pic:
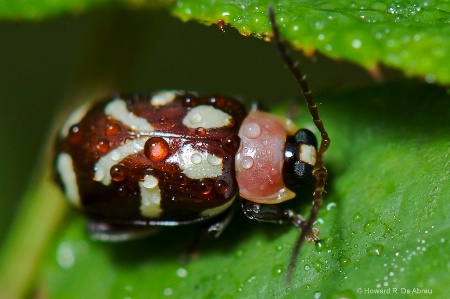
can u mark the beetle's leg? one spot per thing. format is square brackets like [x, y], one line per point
[274, 214]
[114, 232]
[214, 228]
[208, 230]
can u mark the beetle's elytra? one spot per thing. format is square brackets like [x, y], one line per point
[135, 163]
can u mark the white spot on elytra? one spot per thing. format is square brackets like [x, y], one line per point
[217, 210]
[197, 164]
[163, 98]
[113, 157]
[64, 164]
[74, 118]
[117, 109]
[206, 117]
[150, 197]
[308, 154]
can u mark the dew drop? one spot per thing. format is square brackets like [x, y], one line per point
[344, 261]
[118, 172]
[150, 182]
[206, 186]
[356, 43]
[218, 102]
[277, 270]
[221, 186]
[189, 101]
[252, 130]
[65, 255]
[112, 130]
[231, 143]
[196, 158]
[182, 272]
[95, 154]
[168, 291]
[368, 227]
[357, 217]
[374, 250]
[75, 134]
[320, 246]
[103, 145]
[156, 149]
[213, 160]
[318, 265]
[200, 131]
[246, 162]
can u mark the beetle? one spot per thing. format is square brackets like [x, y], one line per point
[134, 164]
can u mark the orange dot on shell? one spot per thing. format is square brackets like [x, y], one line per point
[156, 149]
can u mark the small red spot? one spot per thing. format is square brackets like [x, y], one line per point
[118, 172]
[156, 149]
[75, 134]
[103, 145]
[112, 130]
[221, 25]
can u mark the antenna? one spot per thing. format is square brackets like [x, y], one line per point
[320, 172]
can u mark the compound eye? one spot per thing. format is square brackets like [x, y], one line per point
[305, 136]
[300, 158]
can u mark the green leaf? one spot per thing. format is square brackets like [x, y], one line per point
[407, 35]
[384, 225]
[413, 36]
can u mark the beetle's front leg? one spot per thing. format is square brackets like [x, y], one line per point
[274, 214]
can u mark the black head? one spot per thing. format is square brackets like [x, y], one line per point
[299, 158]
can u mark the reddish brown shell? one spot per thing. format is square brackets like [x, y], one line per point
[151, 148]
